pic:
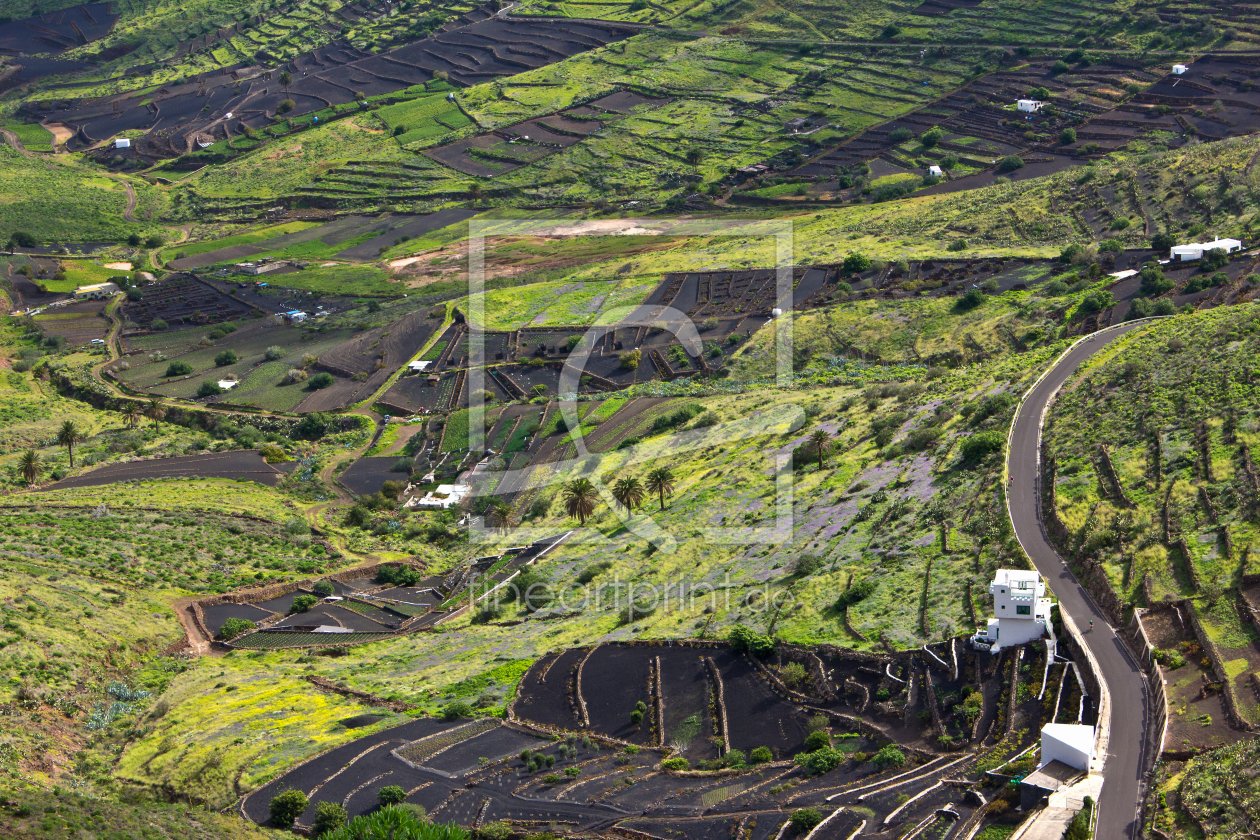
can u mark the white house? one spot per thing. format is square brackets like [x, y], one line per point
[1070, 743]
[1030, 106]
[1196, 250]
[1021, 610]
[443, 497]
[417, 366]
[227, 384]
[1179, 69]
[935, 171]
[96, 291]
[122, 143]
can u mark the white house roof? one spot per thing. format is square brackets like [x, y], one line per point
[1009, 577]
[122, 143]
[331, 628]
[227, 384]
[418, 365]
[1078, 736]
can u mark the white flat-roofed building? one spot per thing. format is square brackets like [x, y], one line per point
[1021, 611]
[1196, 250]
[1029, 106]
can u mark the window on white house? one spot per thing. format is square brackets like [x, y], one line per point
[1021, 610]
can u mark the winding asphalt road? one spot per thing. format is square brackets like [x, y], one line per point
[1130, 710]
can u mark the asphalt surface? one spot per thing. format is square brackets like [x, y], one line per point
[1130, 707]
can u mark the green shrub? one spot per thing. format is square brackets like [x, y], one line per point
[675, 763]
[815, 741]
[234, 627]
[320, 380]
[976, 446]
[178, 368]
[273, 352]
[888, 757]
[286, 807]
[1067, 136]
[329, 816]
[761, 755]
[820, 761]
[324, 588]
[957, 245]
[303, 603]
[209, 388]
[855, 263]
[856, 593]
[391, 795]
[1010, 163]
[805, 820]
[456, 710]
[745, 639]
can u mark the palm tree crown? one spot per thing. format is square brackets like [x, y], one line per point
[154, 410]
[822, 442]
[579, 498]
[68, 435]
[661, 482]
[500, 516]
[31, 466]
[629, 493]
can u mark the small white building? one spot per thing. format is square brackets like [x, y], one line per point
[122, 143]
[1196, 250]
[935, 171]
[1070, 743]
[1020, 609]
[1178, 69]
[1030, 106]
[257, 267]
[446, 495]
[227, 384]
[417, 366]
[96, 291]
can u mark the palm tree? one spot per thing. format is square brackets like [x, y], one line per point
[500, 516]
[132, 413]
[68, 435]
[694, 156]
[31, 466]
[629, 493]
[155, 411]
[285, 78]
[579, 498]
[661, 482]
[822, 443]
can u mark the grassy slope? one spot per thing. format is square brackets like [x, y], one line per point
[1146, 387]
[60, 199]
[728, 480]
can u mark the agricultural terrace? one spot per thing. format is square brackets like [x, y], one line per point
[847, 754]
[1174, 468]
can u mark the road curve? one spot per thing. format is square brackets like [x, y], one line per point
[1130, 706]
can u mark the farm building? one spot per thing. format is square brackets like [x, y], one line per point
[257, 267]
[122, 143]
[96, 291]
[418, 365]
[227, 384]
[1021, 610]
[446, 495]
[1030, 106]
[936, 172]
[1069, 743]
[1196, 250]
[293, 316]
[1178, 69]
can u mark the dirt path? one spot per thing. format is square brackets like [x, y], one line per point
[13, 141]
[197, 641]
[131, 200]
